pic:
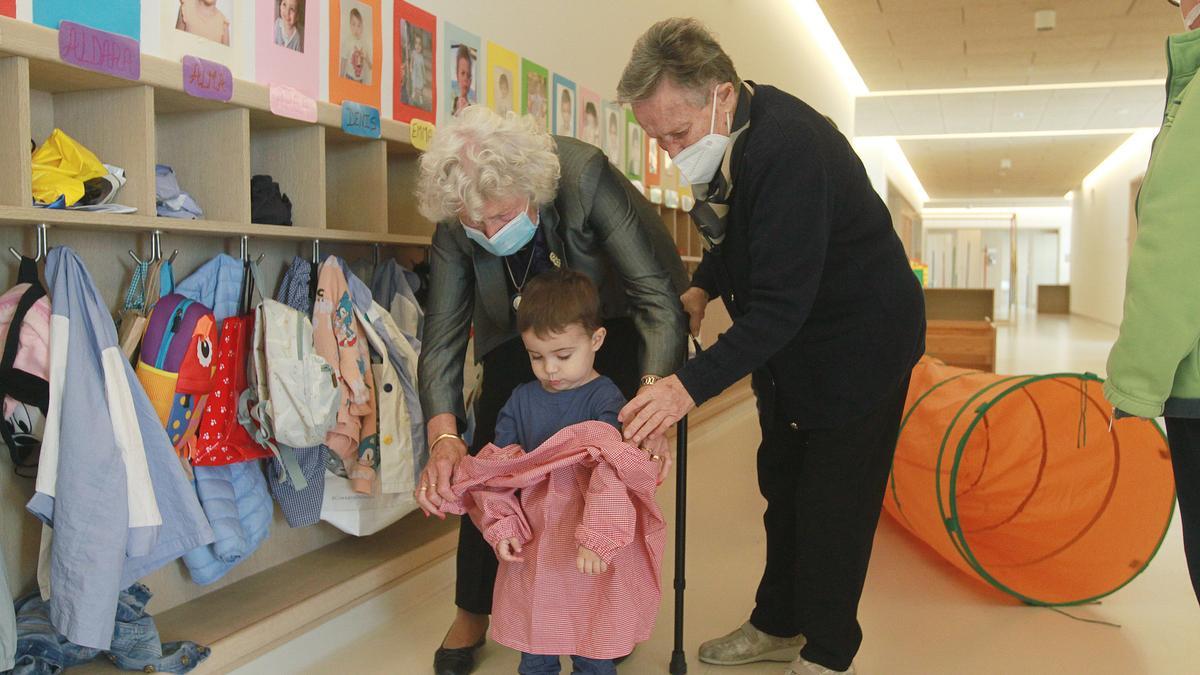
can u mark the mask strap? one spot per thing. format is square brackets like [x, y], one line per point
[712, 125]
[1192, 16]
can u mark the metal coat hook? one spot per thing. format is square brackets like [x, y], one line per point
[40, 251]
[316, 258]
[155, 250]
[245, 252]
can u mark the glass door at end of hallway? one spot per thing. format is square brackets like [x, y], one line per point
[982, 258]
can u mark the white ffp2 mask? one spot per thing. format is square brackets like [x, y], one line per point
[698, 162]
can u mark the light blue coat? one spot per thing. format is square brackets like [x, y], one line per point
[109, 482]
[235, 497]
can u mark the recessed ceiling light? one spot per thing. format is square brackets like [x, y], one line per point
[1006, 163]
[1045, 19]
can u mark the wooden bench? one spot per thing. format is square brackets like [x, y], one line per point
[965, 344]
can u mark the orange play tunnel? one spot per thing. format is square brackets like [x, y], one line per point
[1019, 480]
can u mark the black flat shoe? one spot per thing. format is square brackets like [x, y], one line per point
[457, 661]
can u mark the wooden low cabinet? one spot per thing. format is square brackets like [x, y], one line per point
[965, 344]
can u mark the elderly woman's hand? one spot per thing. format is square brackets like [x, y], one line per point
[433, 487]
[660, 451]
[655, 409]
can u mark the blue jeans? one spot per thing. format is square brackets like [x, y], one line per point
[537, 664]
[135, 644]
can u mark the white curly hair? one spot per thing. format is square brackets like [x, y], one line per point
[480, 156]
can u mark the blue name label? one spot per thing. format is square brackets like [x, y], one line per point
[360, 120]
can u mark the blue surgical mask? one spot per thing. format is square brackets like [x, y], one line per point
[509, 239]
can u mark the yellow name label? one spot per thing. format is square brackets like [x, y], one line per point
[420, 134]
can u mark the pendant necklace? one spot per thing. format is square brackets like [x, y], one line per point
[516, 302]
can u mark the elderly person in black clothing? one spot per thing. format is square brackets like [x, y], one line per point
[827, 318]
[512, 201]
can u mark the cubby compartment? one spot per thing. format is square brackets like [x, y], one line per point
[117, 124]
[209, 150]
[695, 242]
[15, 170]
[403, 217]
[293, 155]
[682, 235]
[356, 183]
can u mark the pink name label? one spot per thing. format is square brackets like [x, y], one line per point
[205, 79]
[99, 50]
[288, 102]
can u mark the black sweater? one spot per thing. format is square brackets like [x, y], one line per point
[827, 313]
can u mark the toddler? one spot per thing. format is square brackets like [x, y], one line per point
[289, 32]
[201, 17]
[356, 52]
[620, 534]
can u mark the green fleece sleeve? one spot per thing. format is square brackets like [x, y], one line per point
[1161, 323]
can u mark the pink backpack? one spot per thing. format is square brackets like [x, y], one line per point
[24, 367]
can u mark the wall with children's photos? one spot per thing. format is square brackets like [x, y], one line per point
[428, 59]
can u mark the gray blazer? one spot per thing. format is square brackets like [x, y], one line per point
[598, 224]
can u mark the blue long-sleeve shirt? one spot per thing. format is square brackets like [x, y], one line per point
[532, 415]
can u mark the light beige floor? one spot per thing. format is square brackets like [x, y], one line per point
[919, 614]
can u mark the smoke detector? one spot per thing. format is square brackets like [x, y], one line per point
[1045, 19]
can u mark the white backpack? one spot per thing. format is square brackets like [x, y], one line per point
[295, 391]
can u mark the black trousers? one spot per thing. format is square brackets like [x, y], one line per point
[824, 490]
[504, 368]
[1183, 435]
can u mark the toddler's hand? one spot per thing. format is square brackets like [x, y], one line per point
[506, 548]
[590, 563]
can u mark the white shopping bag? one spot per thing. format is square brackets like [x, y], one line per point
[360, 514]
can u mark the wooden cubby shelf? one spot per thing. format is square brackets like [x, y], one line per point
[342, 188]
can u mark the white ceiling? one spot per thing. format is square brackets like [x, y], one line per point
[1026, 111]
[922, 44]
[1040, 167]
[1039, 98]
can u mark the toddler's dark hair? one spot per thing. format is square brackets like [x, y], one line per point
[556, 299]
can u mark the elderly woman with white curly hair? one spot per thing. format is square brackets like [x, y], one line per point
[512, 201]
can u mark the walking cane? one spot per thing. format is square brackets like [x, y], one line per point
[678, 658]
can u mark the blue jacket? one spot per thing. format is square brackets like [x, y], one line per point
[109, 482]
[235, 496]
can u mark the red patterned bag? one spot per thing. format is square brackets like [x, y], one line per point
[221, 439]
